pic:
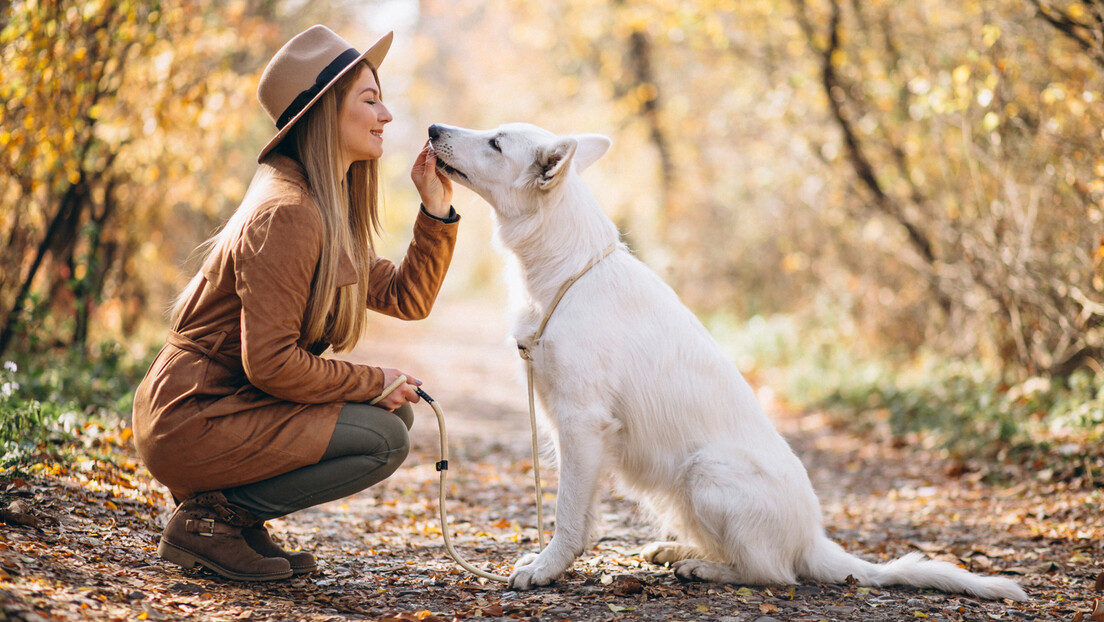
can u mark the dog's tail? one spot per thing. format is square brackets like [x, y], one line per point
[828, 562]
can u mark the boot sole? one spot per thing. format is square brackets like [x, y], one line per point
[186, 559]
[304, 570]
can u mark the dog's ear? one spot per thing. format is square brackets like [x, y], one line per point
[553, 162]
[591, 147]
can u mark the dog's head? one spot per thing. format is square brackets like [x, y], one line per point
[513, 165]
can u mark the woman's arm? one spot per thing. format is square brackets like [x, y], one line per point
[408, 291]
[274, 264]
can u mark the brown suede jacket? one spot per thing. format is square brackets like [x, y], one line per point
[236, 396]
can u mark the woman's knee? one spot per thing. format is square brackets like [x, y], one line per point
[368, 430]
[405, 413]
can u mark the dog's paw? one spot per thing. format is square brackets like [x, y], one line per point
[660, 553]
[688, 569]
[701, 570]
[525, 560]
[529, 573]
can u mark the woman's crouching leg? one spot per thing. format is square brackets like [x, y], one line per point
[368, 446]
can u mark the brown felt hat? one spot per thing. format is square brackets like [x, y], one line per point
[304, 69]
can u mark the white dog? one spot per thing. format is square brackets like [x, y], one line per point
[632, 383]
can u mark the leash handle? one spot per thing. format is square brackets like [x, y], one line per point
[401, 380]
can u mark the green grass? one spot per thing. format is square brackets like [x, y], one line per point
[963, 406]
[48, 401]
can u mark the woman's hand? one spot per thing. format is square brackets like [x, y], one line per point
[434, 188]
[403, 394]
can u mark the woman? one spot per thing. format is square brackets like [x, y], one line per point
[239, 416]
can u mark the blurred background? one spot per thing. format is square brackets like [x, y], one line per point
[891, 210]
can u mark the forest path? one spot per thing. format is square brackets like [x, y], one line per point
[382, 557]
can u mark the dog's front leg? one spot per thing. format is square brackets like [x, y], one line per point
[582, 451]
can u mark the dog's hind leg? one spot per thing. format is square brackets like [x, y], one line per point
[744, 517]
[582, 452]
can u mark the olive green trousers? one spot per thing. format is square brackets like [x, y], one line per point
[367, 446]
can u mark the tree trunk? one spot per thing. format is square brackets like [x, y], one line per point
[640, 64]
[68, 210]
[835, 92]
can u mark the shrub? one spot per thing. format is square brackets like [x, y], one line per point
[960, 405]
[46, 400]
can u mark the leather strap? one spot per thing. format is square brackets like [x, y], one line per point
[178, 340]
[208, 527]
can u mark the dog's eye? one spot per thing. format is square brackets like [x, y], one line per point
[494, 144]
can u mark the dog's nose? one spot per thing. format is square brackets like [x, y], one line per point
[434, 131]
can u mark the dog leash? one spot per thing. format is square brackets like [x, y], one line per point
[442, 464]
[442, 468]
[525, 352]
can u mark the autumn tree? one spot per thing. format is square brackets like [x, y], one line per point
[928, 175]
[1082, 22]
[929, 172]
[982, 152]
[122, 132]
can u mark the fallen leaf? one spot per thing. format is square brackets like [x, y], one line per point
[626, 586]
[18, 518]
[1099, 585]
[768, 608]
[1097, 614]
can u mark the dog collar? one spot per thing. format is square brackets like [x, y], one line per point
[534, 340]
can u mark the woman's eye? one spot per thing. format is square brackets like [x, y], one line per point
[494, 145]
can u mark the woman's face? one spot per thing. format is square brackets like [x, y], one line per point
[361, 116]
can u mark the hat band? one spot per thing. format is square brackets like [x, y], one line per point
[323, 80]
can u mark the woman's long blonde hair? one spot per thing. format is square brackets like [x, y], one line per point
[348, 203]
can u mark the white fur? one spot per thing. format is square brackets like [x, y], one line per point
[632, 383]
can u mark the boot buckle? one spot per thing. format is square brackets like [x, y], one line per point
[210, 533]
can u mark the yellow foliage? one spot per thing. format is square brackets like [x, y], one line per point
[76, 78]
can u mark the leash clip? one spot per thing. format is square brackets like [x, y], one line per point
[442, 465]
[526, 352]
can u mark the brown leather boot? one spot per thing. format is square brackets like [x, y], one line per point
[206, 529]
[261, 541]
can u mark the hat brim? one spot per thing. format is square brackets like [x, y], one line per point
[374, 56]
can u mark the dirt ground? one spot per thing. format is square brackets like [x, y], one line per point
[79, 542]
